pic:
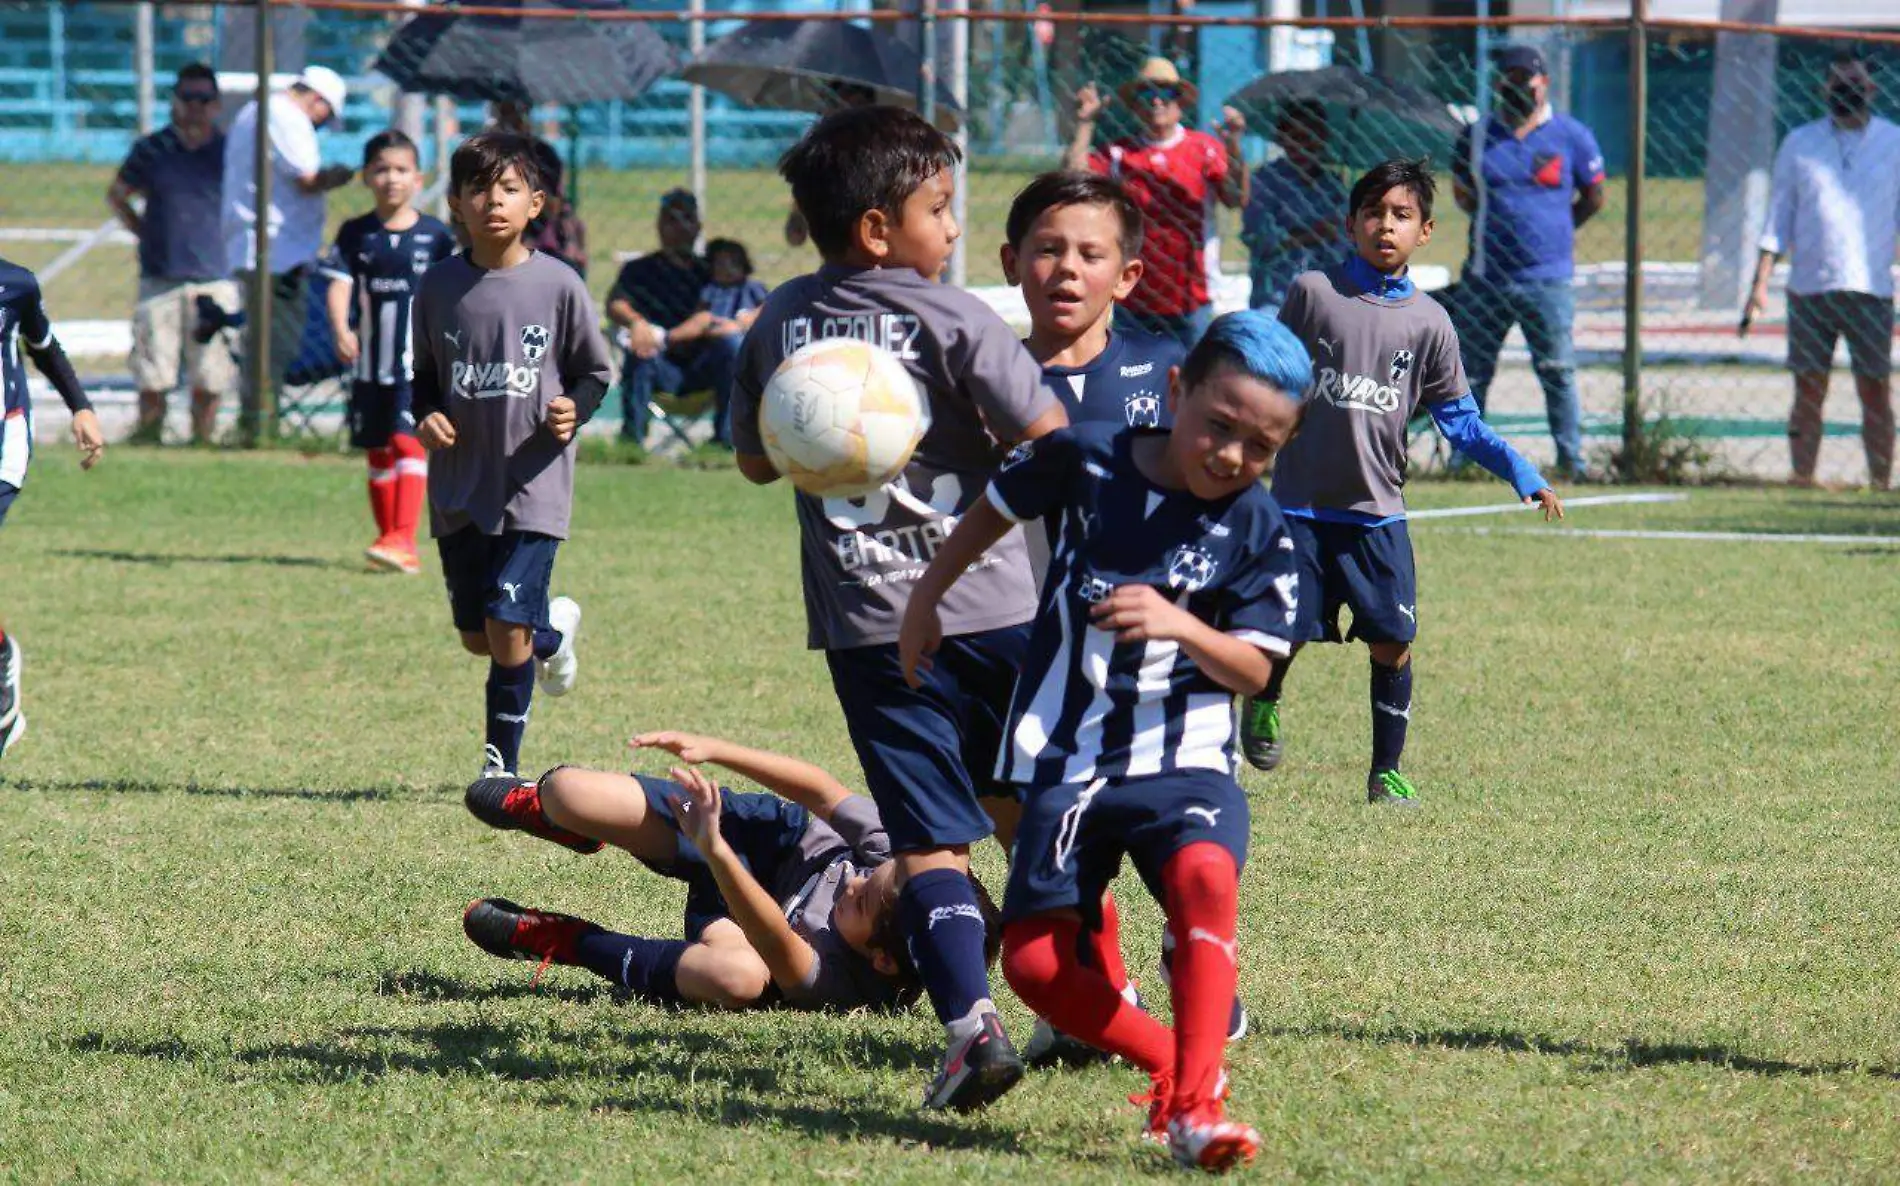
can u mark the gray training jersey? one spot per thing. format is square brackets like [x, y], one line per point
[853, 842]
[499, 345]
[859, 556]
[1376, 361]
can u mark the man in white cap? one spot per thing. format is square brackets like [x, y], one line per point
[1174, 174]
[295, 220]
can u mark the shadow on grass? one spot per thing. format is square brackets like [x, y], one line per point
[417, 984]
[725, 1079]
[134, 786]
[167, 559]
[1629, 1054]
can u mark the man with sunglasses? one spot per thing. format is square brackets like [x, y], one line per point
[1175, 175]
[178, 172]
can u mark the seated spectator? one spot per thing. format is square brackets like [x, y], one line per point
[653, 300]
[1294, 220]
[729, 303]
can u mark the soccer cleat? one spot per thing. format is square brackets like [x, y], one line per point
[514, 804]
[504, 929]
[388, 555]
[1050, 1047]
[1158, 1098]
[1204, 1139]
[976, 1070]
[1389, 788]
[1260, 733]
[558, 670]
[12, 719]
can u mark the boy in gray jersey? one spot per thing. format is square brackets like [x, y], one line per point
[790, 900]
[509, 363]
[1380, 349]
[875, 186]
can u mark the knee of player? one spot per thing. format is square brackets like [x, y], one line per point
[556, 785]
[1390, 654]
[1203, 874]
[737, 980]
[475, 642]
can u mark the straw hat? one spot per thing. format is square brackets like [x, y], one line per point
[1158, 72]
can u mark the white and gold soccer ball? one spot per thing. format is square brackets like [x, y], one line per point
[841, 417]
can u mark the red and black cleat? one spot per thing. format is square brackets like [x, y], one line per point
[504, 929]
[514, 804]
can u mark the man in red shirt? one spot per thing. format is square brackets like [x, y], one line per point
[1174, 174]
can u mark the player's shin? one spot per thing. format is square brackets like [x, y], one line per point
[382, 490]
[510, 693]
[943, 926]
[1043, 964]
[412, 486]
[1391, 689]
[1201, 886]
[648, 968]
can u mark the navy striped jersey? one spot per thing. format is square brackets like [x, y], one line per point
[1126, 384]
[1085, 705]
[386, 267]
[23, 322]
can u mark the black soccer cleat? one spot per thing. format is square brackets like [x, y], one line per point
[976, 1070]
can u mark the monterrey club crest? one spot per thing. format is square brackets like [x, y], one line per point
[1401, 366]
[1190, 569]
[534, 343]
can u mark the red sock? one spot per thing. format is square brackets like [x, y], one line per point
[1105, 945]
[412, 485]
[382, 489]
[1202, 899]
[1042, 962]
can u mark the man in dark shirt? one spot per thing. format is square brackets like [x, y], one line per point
[651, 300]
[178, 171]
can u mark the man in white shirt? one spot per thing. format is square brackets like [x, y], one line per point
[1835, 212]
[295, 220]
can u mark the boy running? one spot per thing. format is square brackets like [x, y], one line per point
[374, 267]
[791, 897]
[1172, 585]
[1074, 245]
[1380, 350]
[23, 320]
[875, 184]
[510, 365]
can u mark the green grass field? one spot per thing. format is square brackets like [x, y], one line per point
[1643, 930]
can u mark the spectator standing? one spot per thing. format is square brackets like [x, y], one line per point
[558, 230]
[295, 220]
[1294, 219]
[1539, 177]
[1835, 212]
[178, 171]
[1175, 175]
[653, 299]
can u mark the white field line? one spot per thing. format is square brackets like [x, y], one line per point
[1732, 537]
[1505, 508]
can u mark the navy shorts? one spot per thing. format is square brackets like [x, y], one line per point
[1072, 838]
[929, 753]
[763, 830]
[378, 412]
[8, 492]
[504, 577]
[1366, 569]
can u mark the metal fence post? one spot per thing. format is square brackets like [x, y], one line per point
[258, 420]
[1633, 239]
[960, 91]
[142, 66]
[696, 101]
[927, 60]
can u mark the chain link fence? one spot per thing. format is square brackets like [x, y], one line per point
[1698, 401]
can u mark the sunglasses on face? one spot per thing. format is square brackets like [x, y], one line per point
[195, 96]
[1157, 94]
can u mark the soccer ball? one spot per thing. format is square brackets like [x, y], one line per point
[841, 417]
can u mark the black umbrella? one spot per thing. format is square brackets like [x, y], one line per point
[1393, 114]
[795, 65]
[511, 59]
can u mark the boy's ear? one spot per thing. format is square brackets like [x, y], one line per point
[1425, 231]
[1174, 389]
[536, 200]
[882, 963]
[1131, 275]
[455, 206]
[1009, 265]
[873, 234]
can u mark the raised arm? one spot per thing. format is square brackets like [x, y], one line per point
[1088, 105]
[801, 782]
[787, 957]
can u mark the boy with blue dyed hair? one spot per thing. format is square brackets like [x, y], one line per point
[1172, 586]
[1380, 349]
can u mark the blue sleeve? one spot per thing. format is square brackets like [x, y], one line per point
[1586, 159]
[1034, 477]
[136, 171]
[755, 294]
[1464, 426]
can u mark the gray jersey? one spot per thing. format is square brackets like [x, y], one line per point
[853, 842]
[1376, 361]
[497, 347]
[860, 556]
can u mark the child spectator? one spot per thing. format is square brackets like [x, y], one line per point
[374, 269]
[729, 302]
[875, 184]
[1171, 586]
[511, 364]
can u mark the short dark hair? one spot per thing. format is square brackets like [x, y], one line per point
[1071, 187]
[387, 139]
[858, 160]
[889, 939]
[196, 72]
[716, 247]
[1415, 174]
[484, 157]
[1849, 57]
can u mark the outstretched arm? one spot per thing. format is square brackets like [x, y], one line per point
[787, 957]
[801, 782]
[1463, 425]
